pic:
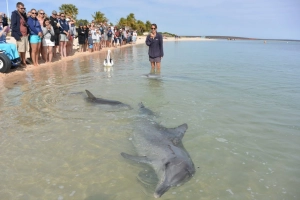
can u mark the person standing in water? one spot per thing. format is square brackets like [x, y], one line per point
[155, 42]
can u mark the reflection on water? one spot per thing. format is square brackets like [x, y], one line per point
[243, 135]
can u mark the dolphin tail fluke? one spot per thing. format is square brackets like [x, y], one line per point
[139, 159]
[90, 95]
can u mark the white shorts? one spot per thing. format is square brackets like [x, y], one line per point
[48, 43]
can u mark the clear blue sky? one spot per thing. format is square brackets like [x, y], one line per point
[274, 19]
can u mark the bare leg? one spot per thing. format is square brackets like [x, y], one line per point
[50, 52]
[152, 68]
[65, 48]
[157, 68]
[44, 53]
[33, 53]
[38, 53]
[61, 44]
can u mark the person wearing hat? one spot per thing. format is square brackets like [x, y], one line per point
[54, 23]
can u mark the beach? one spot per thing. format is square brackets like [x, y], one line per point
[76, 54]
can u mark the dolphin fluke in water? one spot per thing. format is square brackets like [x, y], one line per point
[94, 99]
[162, 149]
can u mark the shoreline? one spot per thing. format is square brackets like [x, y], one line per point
[76, 54]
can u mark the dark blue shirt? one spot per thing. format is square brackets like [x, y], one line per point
[155, 46]
[34, 26]
[64, 26]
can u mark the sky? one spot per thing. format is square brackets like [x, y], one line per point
[265, 19]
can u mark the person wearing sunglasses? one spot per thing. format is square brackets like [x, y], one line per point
[20, 31]
[64, 34]
[35, 37]
[155, 42]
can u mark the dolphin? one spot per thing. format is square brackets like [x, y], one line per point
[162, 149]
[92, 98]
[152, 76]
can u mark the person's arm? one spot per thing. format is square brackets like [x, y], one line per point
[161, 46]
[3, 31]
[149, 40]
[45, 30]
[52, 31]
[13, 22]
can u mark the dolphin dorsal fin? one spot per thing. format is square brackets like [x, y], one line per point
[179, 131]
[90, 95]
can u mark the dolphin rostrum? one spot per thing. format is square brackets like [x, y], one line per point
[162, 149]
[94, 99]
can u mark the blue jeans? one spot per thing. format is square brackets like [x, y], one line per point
[116, 39]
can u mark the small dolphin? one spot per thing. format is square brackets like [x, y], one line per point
[92, 98]
[152, 76]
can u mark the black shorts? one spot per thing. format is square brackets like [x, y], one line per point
[157, 59]
[56, 39]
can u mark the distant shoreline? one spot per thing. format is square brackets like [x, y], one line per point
[236, 38]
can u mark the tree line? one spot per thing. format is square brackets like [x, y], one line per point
[98, 17]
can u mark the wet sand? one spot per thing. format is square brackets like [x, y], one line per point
[12, 75]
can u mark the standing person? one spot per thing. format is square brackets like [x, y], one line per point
[118, 37]
[81, 37]
[20, 31]
[109, 36]
[86, 29]
[55, 25]
[155, 42]
[90, 42]
[94, 37]
[4, 20]
[64, 34]
[98, 39]
[35, 36]
[72, 31]
[134, 36]
[41, 17]
[48, 31]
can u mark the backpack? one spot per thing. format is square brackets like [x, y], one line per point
[109, 33]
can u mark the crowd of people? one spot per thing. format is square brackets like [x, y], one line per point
[47, 37]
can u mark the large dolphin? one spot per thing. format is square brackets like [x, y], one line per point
[162, 149]
[93, 99]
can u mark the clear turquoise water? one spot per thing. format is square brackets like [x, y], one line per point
[240, 99]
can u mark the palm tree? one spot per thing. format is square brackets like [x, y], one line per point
[148, 25]
[99, 17]
[69, 9]
[141, 27]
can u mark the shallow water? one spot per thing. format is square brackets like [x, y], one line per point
[240, 99]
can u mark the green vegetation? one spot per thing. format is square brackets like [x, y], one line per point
[69, 9]
[82, 21]
[129, 22]
[166, 34]
[99, 17]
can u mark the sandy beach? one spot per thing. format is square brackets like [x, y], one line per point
[11, 76]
